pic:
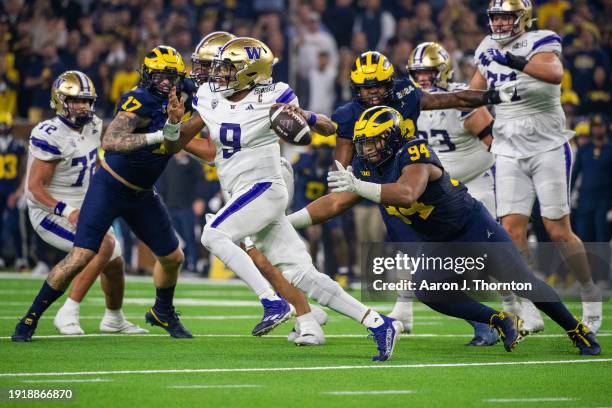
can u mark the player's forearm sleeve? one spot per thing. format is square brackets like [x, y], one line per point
[300, 219]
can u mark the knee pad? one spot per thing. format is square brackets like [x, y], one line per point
[318, 286]
[210, 236]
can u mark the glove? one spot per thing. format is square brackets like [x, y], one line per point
[343, 180]
[502, 94]
[508, 59]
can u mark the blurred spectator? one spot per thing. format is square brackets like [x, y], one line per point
[125, 78]
[41, 74]
[181, 187]
[598, 98]
[583, 60]
[322, 80]
[551, 9]
[377, 24]
[344, 92]
[9, 78]
[570, 104]
[339, 19]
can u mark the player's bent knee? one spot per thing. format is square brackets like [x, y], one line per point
[107, 247]
[317, 285]
[173, 260]
[211, 236]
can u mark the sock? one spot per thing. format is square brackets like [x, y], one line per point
[45, 298]
[71, 305]
[269, 295]
[305, 318]
[372, 320]
[344, 303]
[113, 314]
[163, 299]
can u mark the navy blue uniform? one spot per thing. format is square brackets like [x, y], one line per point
[405, 98]
[107, 198]
[310, 184]
[11, 154]
[445, 212]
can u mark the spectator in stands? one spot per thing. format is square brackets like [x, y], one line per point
[9, 78]
[339, 19]
[322, 80]
[377, 24]
[583, 60]
[40, 76]
[598, 98]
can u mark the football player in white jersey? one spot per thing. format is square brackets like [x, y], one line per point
[235, 109]
[462, 141]
[62, 158]
[533, 157]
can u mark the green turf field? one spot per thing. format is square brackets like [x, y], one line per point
[225, 366]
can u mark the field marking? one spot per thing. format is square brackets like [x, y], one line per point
[214, 386]
[376, 392]
[314, 368]
[331, 336]
[540, 399]
[90, 380]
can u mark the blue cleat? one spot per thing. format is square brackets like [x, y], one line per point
[385, 336]
[25, 329]
[585, 340]
[275, 313]
[484, 335]
[509, 328]
[169, 323]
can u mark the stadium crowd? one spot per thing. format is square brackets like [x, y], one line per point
[316, 42]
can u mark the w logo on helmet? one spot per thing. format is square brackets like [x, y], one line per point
[253, 52]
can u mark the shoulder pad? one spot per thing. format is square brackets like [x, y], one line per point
[47, 143]
[344, 119]
[138, 101]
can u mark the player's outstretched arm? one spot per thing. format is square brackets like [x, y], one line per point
[323, 209]
[201, 148]
[119, 137]
[463, 99]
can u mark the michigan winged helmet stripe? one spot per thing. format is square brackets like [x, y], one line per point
[375, 121]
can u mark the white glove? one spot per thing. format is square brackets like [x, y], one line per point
[343, 180]
[507, 90]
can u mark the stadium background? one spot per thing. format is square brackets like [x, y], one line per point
[316, 41]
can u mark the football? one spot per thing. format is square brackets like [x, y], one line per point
[289, 126]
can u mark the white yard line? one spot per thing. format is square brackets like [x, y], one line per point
[315, 368]
[538, 399]
[88, 380]
[376, 392]
[331, 336]
[214, 386]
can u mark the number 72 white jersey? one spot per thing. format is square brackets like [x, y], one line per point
[76, 153]
[247, 148]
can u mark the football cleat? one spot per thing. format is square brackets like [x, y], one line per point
[532, 320]
[169, 323]
[509, 327]
[275, 313]
[25, 329]
[402, 312]
[592, 315]
[120, 325]
[385, 336]
[310, 334]
[585, 340]
[66, 321]
[484, 335]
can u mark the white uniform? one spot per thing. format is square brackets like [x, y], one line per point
[464, 157]
[530, 136]
[53, 140]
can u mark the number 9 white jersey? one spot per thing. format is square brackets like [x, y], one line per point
[461, 153]
[247, 148]
[533, 121]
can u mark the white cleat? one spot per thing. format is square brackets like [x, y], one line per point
[402, 313]
[309, 333]
[532, 320]
[116, 325]
[66, 321]
[319, 315]
[592, 315]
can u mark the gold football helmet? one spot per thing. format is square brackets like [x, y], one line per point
[161, 64]
[205, 52]
[242, 63]
[73, 85]
[431, 56]
[372, 69]
[523, 18]
[379, 133]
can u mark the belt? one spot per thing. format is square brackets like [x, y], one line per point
[120, 179]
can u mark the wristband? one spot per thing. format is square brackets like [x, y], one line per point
[515, 61]
[300, 219]
[312, 119]
[155, 137]
[488, 130]
[62, 209]
[171, 131]
[369, 191]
